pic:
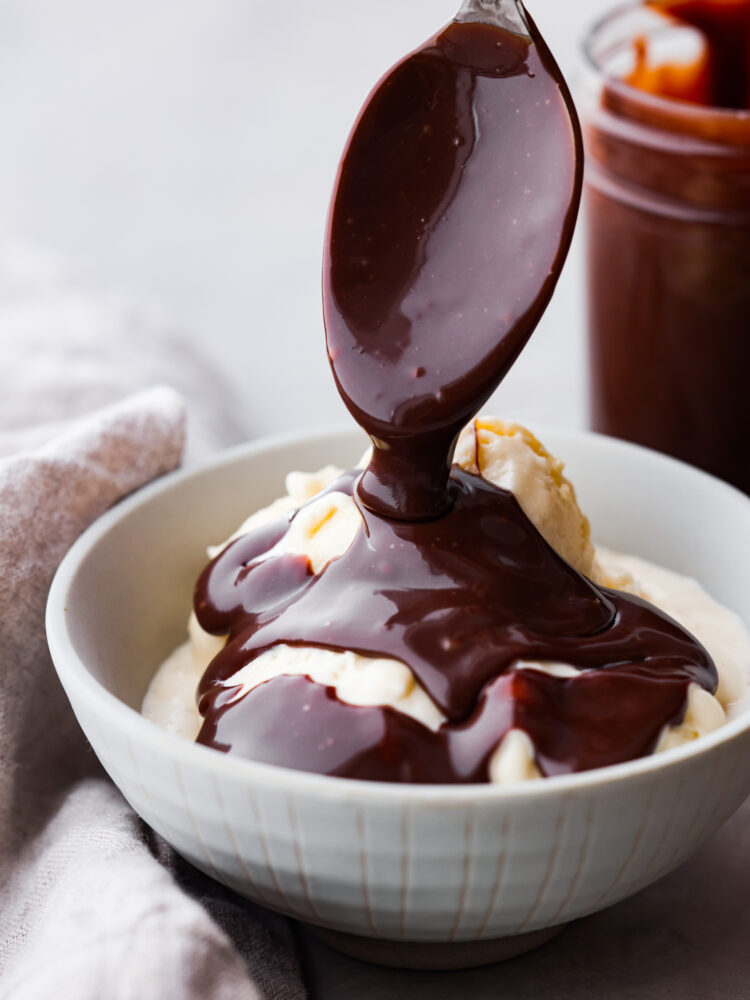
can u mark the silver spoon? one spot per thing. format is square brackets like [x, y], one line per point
[507, 14]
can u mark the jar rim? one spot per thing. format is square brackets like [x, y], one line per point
[674, 107]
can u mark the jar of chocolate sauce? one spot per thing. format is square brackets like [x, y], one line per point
[667, 129]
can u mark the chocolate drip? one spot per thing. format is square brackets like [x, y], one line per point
[576, 725]
[460, 600]
[453, 213]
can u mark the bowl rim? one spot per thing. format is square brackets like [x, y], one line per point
[74, 674]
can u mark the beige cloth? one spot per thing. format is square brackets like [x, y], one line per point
[92, 905]
[67, 351]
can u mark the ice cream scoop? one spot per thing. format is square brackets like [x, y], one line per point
[511, 457]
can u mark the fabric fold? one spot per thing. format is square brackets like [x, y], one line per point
[93, 906]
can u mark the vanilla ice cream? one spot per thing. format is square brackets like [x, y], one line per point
[510, 457]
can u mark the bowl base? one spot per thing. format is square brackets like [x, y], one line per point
[434, 956]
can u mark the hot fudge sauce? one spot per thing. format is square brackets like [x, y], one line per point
[451, 219]
[668, 219]
[719, 74]
[454, 208]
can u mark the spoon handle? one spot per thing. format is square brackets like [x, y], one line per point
[507, 14]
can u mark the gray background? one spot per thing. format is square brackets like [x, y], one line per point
[184, 151]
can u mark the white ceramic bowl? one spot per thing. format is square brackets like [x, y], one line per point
[390, 863]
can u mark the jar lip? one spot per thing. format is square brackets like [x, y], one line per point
[672, 106]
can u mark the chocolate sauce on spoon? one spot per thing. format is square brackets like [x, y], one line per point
[452, 215]
[453, 212]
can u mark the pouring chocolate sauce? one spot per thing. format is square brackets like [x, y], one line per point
[453, 212]
[451, 218]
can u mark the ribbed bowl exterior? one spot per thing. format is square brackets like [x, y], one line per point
[394, 862]
[433, 868]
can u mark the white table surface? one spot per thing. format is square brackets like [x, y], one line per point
[184, 150]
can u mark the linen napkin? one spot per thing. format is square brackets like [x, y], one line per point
[93, 905]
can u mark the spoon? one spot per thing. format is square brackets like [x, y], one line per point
[451, 218]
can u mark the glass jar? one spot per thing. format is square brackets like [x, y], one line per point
[667, 204]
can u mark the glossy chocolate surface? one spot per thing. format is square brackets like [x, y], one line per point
[451, 218]
[459, 599]
[453, 212]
